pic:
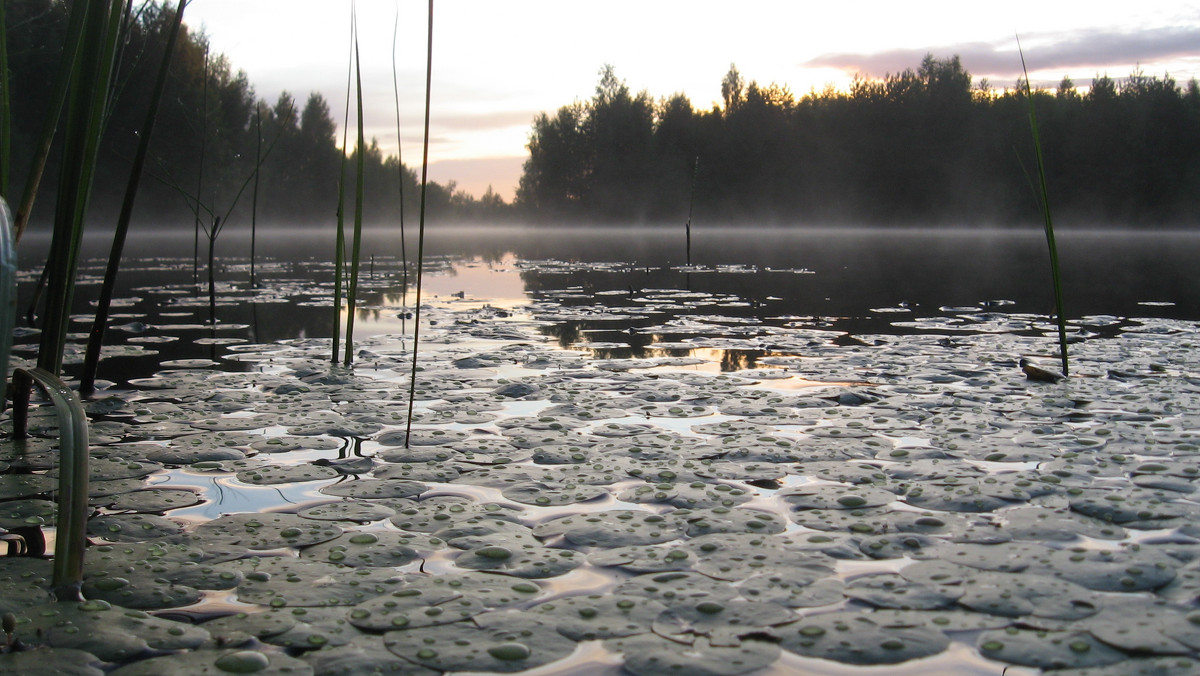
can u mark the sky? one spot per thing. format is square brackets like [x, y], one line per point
[497, 64]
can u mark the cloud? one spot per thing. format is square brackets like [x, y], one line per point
[1094, 49]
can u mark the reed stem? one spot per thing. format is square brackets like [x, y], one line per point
[412, 383]
[1055, 272]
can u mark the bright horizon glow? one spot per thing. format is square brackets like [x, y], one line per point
[496, 65]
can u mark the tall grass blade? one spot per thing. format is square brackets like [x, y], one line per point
[1048, 221]
[339, 247]
[399, 160]
[5, 108]
[360, 171]
[258, 160]
[37, 167]
[200, 174]
[412, 382]
[86, 105]
[91, 361]
[8, 288]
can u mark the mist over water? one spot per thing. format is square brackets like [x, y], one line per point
[854, 269]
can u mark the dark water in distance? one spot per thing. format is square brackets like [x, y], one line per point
[854, 280]
[1103, 271]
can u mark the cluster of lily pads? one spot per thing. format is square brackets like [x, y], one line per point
[554, 508]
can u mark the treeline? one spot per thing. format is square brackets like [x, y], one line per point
[207, 136]
[926, 145]
[923, 146]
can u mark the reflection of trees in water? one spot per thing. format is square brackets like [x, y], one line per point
[737, 360]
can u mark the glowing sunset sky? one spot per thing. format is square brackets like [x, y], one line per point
[498, 63]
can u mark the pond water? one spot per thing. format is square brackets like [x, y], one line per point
[796, 452]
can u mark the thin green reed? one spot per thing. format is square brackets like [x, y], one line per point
[339, 247]
[5, 107]
[258, 160]
[87, 100]
[399, 155]
[37, 167]
[91, 360]
[412, 383]
[356, 245]
[1046, 216]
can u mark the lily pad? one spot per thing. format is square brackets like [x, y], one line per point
[614, 528]
[654, 656]
[599, 616]
[218, 663]
[382, 549]
[109, 632]
[267, 531]
[1046, 649]
[268, 475]
[857, 638]
[501, 641]
[44, 661]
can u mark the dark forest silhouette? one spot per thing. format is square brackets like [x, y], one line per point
[924, 146]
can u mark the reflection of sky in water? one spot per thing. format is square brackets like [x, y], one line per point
[224, 494]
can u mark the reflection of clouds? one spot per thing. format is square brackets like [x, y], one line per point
[1094, 48]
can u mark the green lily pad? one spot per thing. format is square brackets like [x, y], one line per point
[139, 590]
[286, 582]
[25, 485]
[655, 656]
[218, 663]
[599, 616]
[726, 520]
[614, 528]
[889, 590]
[428, 471]
[363, 655]
[287, 444]
[644, 558]
[836, 497]
[132, 527]
[1046, 649]
[1126, 570]
[266, 531]
[856, 638]
[415, 606]
[376, 549]
[807, 586]
[28, 512]
[360, 511]
[722, 622]
[519, 559]
[439, 512]
[375, 488]
[240, 627]
[268, 475]
[551, 495]
[500, 641]
[109, 632]
[152, 500]
[44, 661]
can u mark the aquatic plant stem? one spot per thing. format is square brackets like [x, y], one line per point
[200, 174]
[258, 159]
[399, 161]
[339, 247]
[5, 107]
[360, 179]
[1048, 221]
[91, 361]
[412, 382]
[87, 102]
